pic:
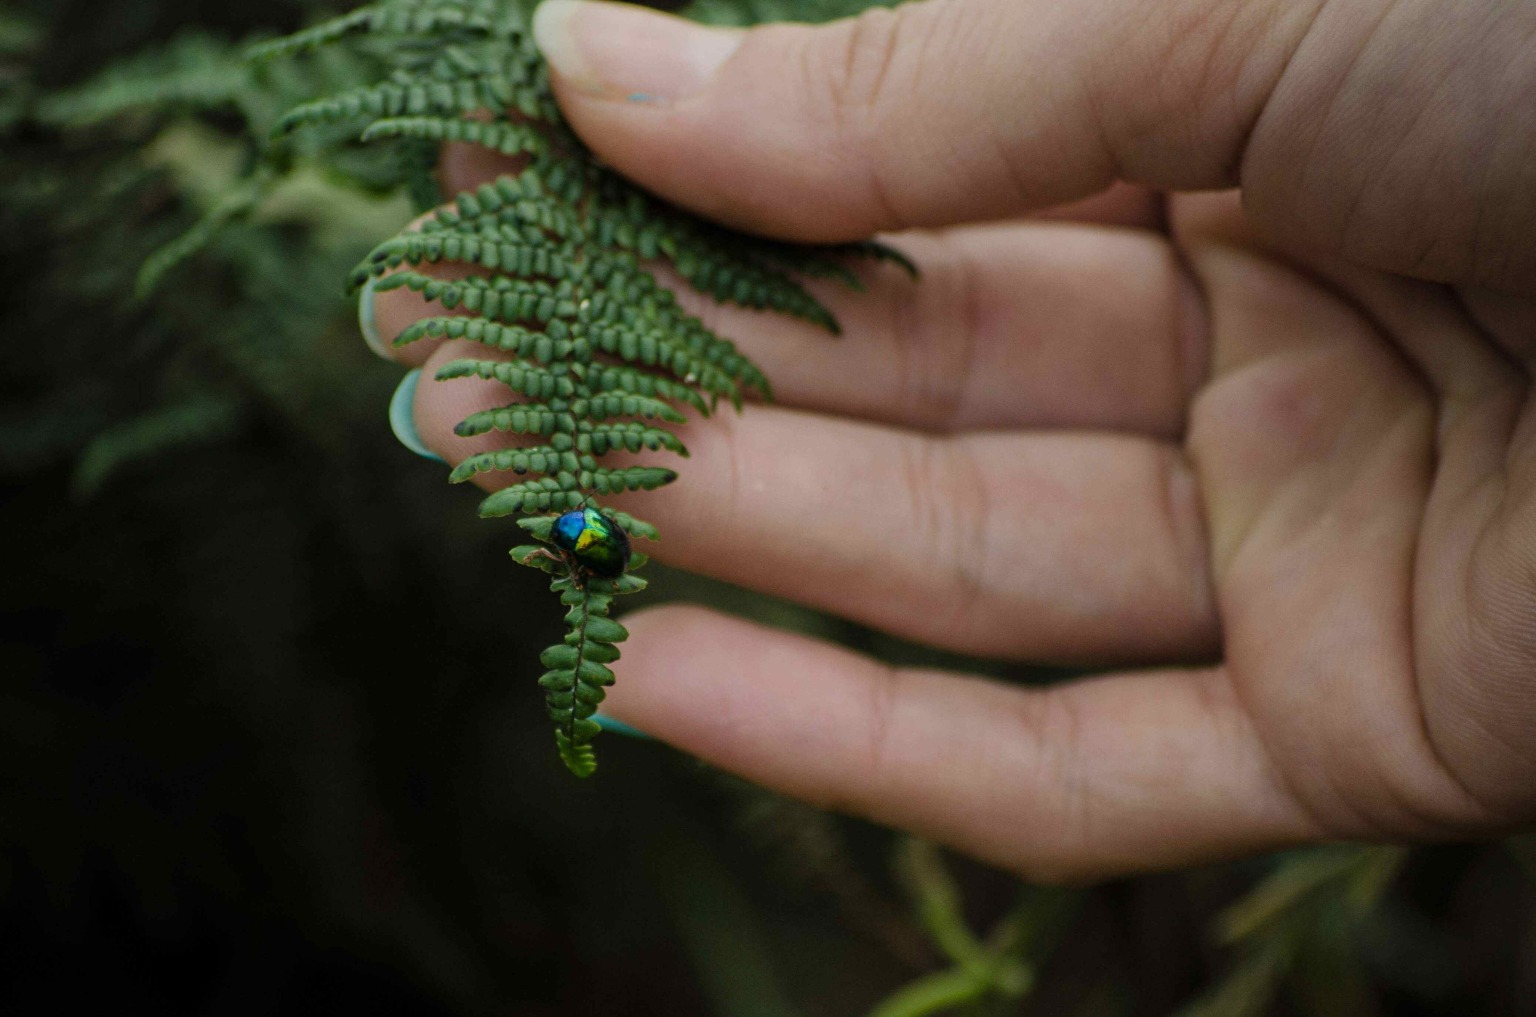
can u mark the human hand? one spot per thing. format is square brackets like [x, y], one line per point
[1212, 429]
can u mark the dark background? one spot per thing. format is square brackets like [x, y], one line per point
[269, 731]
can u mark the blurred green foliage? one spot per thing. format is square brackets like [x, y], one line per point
[269, 736]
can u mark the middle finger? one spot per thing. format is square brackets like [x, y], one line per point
[1020, 324]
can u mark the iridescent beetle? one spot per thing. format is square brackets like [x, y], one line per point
[590, 542]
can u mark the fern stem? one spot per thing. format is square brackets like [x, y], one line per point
[581, 651]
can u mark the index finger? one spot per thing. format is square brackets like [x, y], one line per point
[935, 113]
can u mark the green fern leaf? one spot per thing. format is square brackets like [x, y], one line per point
[599, 357]
[499, 136]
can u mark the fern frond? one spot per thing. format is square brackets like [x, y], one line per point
[498, 298]
[578, 675]
[313, 38]
[192, 70]
[628, 478]
[559, 416]
[524, 199]
[538, 459]
[610, 378]
[547, 494]
[519, 418]
[601, 356]
[498, 136]
[606, 405]
[406, 18]
[236, 204]
[874, 250]
[521, 376]
[515, 339]
[629, 436]
[195, 420]
[503, 249]
[542, 494]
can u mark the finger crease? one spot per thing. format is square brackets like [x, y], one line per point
[959, 537]
[882, 695]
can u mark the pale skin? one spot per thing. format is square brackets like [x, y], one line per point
[1266, 453]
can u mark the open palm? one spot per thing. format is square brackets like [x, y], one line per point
[1296, 494]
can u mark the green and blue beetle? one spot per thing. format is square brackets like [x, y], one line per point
[591, 544]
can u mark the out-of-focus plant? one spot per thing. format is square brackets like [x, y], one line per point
[1296, 930]
[987, 974]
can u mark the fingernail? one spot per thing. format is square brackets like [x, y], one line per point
[617, 51]
[619, 727]
[402, 417]
[367, 323]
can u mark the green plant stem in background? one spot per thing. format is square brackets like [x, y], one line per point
[1313, 901]
[999, 970]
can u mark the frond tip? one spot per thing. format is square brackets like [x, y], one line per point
[578, 674]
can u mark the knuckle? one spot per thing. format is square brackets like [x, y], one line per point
[850, 82]
[934, 330]
[884, 694]
[859, 72]
[949, 517]
[1048, 729]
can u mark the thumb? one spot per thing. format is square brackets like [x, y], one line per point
[933, 113]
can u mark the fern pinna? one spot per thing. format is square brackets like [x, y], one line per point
[599, 356]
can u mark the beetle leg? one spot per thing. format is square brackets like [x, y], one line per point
[541, 553]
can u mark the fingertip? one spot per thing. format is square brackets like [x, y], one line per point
[641, 697]
[629, 53]
[392, 311]
[556, 39]
[368, 320]
[632, 706]
[694, 113]
[402, 417]
[613, 725]
[714, 686]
